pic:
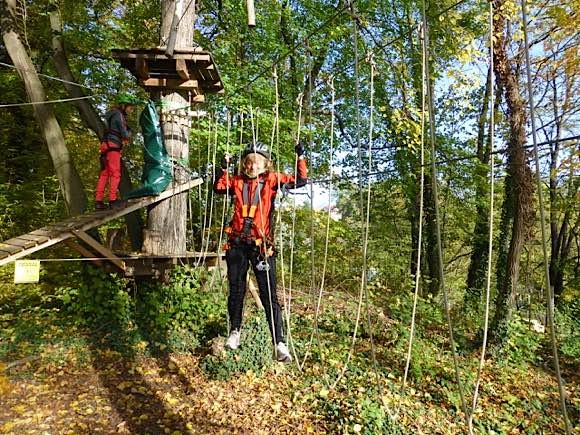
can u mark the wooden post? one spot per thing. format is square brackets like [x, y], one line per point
[167, 221]
[251, 13]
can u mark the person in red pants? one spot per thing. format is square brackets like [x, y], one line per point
[117, 134]
[250, 236]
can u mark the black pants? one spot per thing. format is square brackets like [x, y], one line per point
[238, 259]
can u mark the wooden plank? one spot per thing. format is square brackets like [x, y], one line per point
[197, 57]
[141, 68]
[37, 239]
[83, 251]
[10, 248]
[20, 242]
[170, 83]
[198, 99]
[48, 236]
[181, 68]
[44, 232]
[105, 252]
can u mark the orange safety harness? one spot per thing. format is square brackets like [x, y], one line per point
[245, 237]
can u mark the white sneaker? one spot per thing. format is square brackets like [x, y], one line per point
[233, 340]
[282, 353]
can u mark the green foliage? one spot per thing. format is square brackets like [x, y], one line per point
[184, 312]
[521, 345]
[254, 353]
[567, 319]
[100, 300]
[353, 408]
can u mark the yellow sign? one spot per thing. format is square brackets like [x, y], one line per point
[26, 271]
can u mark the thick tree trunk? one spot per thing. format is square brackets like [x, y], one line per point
[70, 182]
[289, 41]
[519, 186]
[561, 230]
[432, 273]
[92, 120]
[479, 256]
[166, 224]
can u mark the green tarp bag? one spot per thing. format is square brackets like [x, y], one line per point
[157, 167]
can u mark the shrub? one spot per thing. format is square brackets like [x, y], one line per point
[254, 353]
[183, 313]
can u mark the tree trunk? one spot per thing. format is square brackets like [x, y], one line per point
[92, 121]
[561, 232]
[70, 182]
[479, 256]
[518, 203]
[166, 223]
[432, 273]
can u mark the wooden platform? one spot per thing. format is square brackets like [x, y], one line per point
[77, 226]
[188, 69]
[158, 266]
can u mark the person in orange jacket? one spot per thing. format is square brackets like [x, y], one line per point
[250, 235]
[116, 135]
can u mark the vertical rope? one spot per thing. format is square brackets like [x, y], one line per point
[364, 277]
[549, 289]
[490, 234]
[226, 198]
[421, 208]
[438, 220]
[361, 204]
[327, 232]
[299, 100]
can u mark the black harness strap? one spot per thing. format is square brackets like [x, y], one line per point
[249, 210]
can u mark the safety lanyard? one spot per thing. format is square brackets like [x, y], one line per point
[246, 199]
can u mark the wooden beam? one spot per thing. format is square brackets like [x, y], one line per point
[83, 251]
[198, 99]
[141, 68]
[170, 83]
[181, 67]
[105, 252]
[48, 236]
[251, 13]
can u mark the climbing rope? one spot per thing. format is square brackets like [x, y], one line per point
[539, 188]
[364, 281]
[421, 210]
[212, 163]
[438, 218]
[328, 215]
[299, 101]
[209, 197]
[490, 233]
[359, 152]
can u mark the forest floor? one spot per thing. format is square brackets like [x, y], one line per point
[55, 378]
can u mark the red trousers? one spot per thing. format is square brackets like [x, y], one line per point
[110, 172]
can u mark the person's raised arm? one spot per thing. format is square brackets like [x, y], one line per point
[222, 181]
[301, 177]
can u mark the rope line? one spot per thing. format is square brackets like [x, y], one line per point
[44, 75]
[549, 289]
[438, 219]
[60, 100]
[328, 215]
[359, 152]
[300, 102]
[364, 280]
[421, 211]
[490, 232]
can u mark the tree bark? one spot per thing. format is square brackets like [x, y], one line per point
[91, 120]
[166, 222]
[70, 182]
[479, 255]
[432, 274]
[518, 203]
